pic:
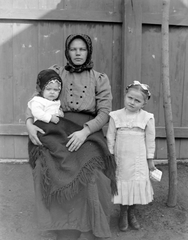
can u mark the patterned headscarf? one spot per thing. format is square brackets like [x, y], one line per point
[71, 67]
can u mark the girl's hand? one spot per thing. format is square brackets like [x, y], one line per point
[77, 139]
[151, 164]
[32, 131]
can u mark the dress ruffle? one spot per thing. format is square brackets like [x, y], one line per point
[134, 192]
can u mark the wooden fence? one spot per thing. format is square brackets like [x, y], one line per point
[126, 37]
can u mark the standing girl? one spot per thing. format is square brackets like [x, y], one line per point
[131, 138]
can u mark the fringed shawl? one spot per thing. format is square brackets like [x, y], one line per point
[65, 173]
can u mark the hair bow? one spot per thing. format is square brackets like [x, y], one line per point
[145, 87]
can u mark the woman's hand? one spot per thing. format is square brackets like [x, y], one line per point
[77, 139]
[32, 131]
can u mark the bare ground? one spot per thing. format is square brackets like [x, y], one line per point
[158, 222]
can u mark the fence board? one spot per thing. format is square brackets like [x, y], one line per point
[116, 75]
[6, 73]
[151, 68]
[21, 147]
[6, 4]
[24, 66]
[184, 113]
[61, 15]
[178, 13]
[7, 147]
[133, 40]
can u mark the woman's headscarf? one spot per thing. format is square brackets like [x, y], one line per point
[71, 67]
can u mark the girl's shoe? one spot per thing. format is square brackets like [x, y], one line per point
[132, 218]
[123, 219]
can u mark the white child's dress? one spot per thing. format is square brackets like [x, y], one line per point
[131, 138]
[43, 109]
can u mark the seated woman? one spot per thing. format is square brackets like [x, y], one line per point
[74, 173]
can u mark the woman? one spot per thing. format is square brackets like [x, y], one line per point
[86, 100]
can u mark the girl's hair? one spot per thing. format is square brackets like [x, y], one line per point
[144, 88]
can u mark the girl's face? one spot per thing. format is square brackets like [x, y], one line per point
[78, 51]
[134, 100]
[51, 91]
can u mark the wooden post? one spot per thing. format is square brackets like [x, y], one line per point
[172, 163]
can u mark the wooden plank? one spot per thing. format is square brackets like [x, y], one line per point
[25, 64]
[177, 55]
[49, 4]
[151, 68]
[183, 149]
[50, 44]
[20, 129]
[124, 52]
[132, 39]
[161, 149]
[61, 15]
[13, 129]
[179, 132]
[156, 18]
[184, 113]
[6, 147]
[21, 146]
[20, 4]
[103, 42]
[116, 75]
[95, 5]
[32, 4]
[12, 147]
[6, 73]
[178, 13]
[6, 4]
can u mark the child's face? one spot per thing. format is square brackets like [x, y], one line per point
[51, 91]
[134, 100]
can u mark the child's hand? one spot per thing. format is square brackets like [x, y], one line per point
[54, 119]
[60, 113]
[151, 165]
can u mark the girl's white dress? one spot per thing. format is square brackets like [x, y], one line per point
[131, 138]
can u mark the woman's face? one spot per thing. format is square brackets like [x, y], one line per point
[78, 51]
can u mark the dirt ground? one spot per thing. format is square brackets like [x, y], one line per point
[158, 222]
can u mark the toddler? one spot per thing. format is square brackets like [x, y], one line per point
[46, 106]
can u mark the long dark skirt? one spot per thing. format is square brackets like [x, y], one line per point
[89, 210]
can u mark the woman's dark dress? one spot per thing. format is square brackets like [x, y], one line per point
[88, 210]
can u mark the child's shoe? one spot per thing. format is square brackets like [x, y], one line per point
[132, 218]
[123, 219]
